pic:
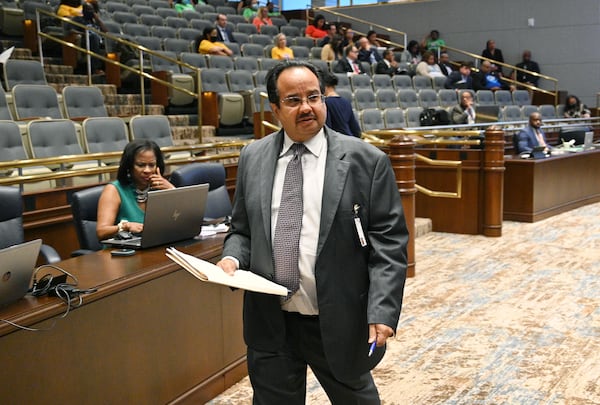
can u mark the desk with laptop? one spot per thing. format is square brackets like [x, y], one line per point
[151, 333]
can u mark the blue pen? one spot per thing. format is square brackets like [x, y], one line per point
[372, 347]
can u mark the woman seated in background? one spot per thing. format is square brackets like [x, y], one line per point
[281, 51]
[181, 5]
[209, 44]
[427, 67]
[340, 116]
[575, 109]
[332, 50]
[122, 204]
[317, 29]
[249, 9]
[262, 18]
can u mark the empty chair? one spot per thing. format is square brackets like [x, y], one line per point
[176, 22]
[343, 81]
[407, 98]
[112, 27]
[152, 43]
[136, 30]
[321, 64]
[438, 82]
[412, 116]
[521, 97]
[304, 41]
[5, 113]
[366, 67]
[83, 101]
[560, 111]
[139, 9]
[260, 39]
[485, 97]
[365, 98]
[112, 6]
[165, 61]
[259, 77]
[165, 12]
[17, 71]
[382, 81]
[194, 59]
[218, 203]
[151, 127]
[199, 24]
[300, 52]
[240, 81]
[163, 32]
[315, 53]
[151, 20]
[402, 82]
[547, 111]
[386, 98]
[157, 4]
[204, 8]
[84, 207]
[370, 119]
[177, 45]
[360, 82]
[189, 34]
[246, 63]
[267, 63]
[346, 93]
[527, 110]
[279, 21]
[511, 113]
[503, 97]
[241, 38]
[421, 82]
[247, 28]
[123, 17]
[104, 134]
[290, 31]
[270, 30]
[188, 14]
[35, 101]
[220, 62]
[447, 97]
[393, 118]
[231, 105]
[428, 98]
[234, 19]
[252, 50]
[297, 22]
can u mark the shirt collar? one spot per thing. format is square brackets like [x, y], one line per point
[314, 145]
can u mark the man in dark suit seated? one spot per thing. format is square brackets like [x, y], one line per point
[464, 112]
[349, 63]
[461, 78]
[532, 135]
[444, 64]
[530, 65]
[224, 34]
[303, 196]
[388, 65]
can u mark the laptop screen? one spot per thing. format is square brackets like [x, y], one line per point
[17, 264]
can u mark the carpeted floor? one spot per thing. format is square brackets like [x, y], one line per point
[510, 320]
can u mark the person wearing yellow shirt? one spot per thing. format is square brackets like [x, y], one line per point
[210, 46]
[281, 51]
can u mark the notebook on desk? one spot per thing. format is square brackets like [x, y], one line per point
[17, 264]
[171, 216]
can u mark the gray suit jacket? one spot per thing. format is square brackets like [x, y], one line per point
[355, 285]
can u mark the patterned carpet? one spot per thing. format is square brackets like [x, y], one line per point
[510, 320]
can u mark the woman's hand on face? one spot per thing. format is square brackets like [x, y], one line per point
[158, 182]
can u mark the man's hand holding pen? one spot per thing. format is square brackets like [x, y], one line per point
[378, 334]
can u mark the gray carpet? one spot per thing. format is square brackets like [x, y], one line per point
[510, 320]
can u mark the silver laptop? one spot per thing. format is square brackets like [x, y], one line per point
[588, 140]
[486, 113]
[171, 216]
[17, 264]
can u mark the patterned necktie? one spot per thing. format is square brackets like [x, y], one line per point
[540, 138]
[355, 68]
[286, 240]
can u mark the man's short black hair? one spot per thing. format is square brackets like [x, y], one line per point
[275, 71]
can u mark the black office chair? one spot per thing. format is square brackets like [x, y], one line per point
[84, 206]
[218, 204]
[11, 223]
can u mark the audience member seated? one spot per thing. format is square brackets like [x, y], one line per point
[491, 52]
[461, 78]
[464, 112]
[372, 38]
[340, 116]
[271, 8]
[411, 56]
[262, 18]
[527, 64]
[349, 63]
[317, 29]
[487, 79]
[224, 33]
[433, 42]
[331, 30]
[281, 51]
[388, 65]
[181, 5]
[347, 37]
[532, 135]
[209, 44]
[123, 202]
[366, 52]
[249, 9]
[427, 67]
[575, 109]
[444, 64]
[332, 50]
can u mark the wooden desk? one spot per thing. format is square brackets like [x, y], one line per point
[538, 189]
[151, 334]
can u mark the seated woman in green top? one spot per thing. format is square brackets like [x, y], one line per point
[122, 203]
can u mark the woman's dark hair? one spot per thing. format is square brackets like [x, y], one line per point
[318, 18]
[336, 44]
[128, 158]
[275, 71]
[577, 102]
[411, 44]
[206, 32]
[329, 79]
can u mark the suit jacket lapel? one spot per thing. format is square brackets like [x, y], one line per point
[336, 170]
[267, 174]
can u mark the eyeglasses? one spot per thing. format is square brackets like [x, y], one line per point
[295, 101]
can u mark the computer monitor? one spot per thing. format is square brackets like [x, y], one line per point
[577, 134]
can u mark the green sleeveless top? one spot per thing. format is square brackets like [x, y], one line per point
[129, 210]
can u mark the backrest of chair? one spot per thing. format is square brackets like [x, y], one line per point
[270, 30]
[250, 49]
[382, 81]
[511, 113]
[241, 38]
[152, 20]
[408, 98]
[421, 82]
[83, 101]
[485, 97]
[11, 142]
[521, 97]
[5, 113]
[346, 93]
[260, 39]
[199, 24]
[428, 98]
[187, 33]
[165, 12]
[402, 82]
[360, 82]
[161, 31]
[267, 63]
[20, 71]
[527, 110]
[152, 43]
[112, 6]
[439, 82]
[177, 45]
[194, 59]
[84, 207]
[447, 97]
[248, 63]
[220, 62]
[176, 22]
[136, 30]
[153, 127]
[386, 98]
[371, 118]
[123, 17]
[189, 14]
[214, 80]
[159, 63]
[365, 98]
[51, 138]
[300, 51]
[35, 101]
[503, 97]
[235, 49]
[323, 65]
[394, 118]
[11, 217]
[139, 9]
[290, 31]
[247, 28]
[412, 115]
[218, 203]
[104, 134]
[548, 111]
[240, 80]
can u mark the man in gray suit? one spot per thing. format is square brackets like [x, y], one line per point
[352, 251]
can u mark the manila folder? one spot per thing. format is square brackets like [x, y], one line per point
[206, 271]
